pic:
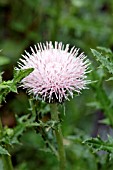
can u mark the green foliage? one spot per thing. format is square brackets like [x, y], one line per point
[20, 74]
[97, 144]
[3, 151]
[103, 101]
[11, 85]
[10, 137]
[105, 57]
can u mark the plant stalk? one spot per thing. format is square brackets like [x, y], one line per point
[7, 163]
[59, 138]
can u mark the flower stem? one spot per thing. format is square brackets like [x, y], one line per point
[59, 137]
[7, 163]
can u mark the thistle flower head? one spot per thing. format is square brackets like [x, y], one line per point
[58, 72]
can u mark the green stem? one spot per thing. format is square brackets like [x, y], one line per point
[59, 137]
[7, 163]
[32, 108]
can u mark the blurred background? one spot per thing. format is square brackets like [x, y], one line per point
[82, 23]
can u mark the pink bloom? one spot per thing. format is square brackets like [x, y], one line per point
[58, 72]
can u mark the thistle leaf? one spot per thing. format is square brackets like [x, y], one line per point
[97, 144]
[105, 58]
[20, 74]
[3, 151]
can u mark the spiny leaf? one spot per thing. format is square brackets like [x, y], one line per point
[105, 59]
[105, 121]
[5, 88]
[20, 74]
[11, 85]
[98, 144]
[110, 79]
[104, 49]
[3, 151]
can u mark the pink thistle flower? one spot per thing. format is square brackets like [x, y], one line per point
[58, 72]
